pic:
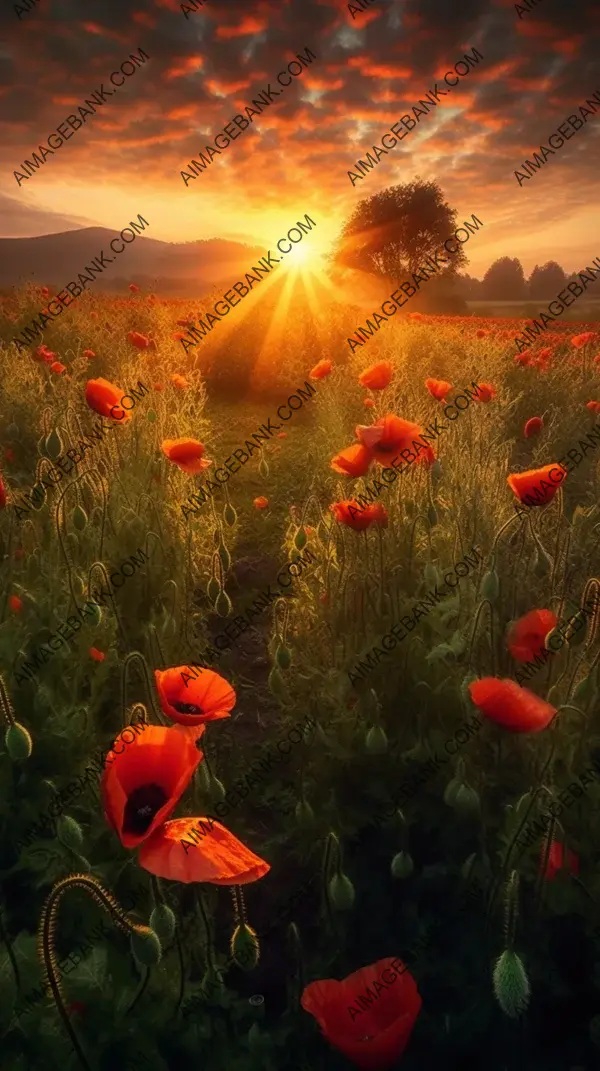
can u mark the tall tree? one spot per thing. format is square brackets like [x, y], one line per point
[547, 281]
[393, 232]
[505, 281]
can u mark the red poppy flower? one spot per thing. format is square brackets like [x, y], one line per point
[185, 323]
[486, 393]
[42, 353]
[372, 1035]
[527, 635]
[583, 339]
[594, 407]
[177, 336]
[89, 354]
[389, 435]
[103, 397]
[377, 377]
[15, 604]
[353, 461]
[545, 354]
[97, 655]
[141, 785]
[3, 495]
[535, 482]
[533, 426]
[134, 289]
[359, 518]
[511, 706]
[186, 454]
[378, 515]
[57, 367]
[523, 359]
[261, 502]
[282, 434]
[480, 333]
[44, 291]
[141, 342]
[557, 861]
[207, 697]
[200, 849]
[321, 370]
[369, 403]
[158, 386]
[179, 381]
[438, 388]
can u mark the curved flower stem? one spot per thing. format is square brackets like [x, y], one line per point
[46, 935]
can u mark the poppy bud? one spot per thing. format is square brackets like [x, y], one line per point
[277, 683]
[69, 832]
[13, 431]
[18, 742]
[95, 613]
[436, 470]
[38, 496]
[283, 657]
[402, 865]
[431, 574]
[213, 589]
[146, 946]
[223, 604]
[163, 922]
[263, 468]
[305, 815]
[451, 791]
[54, 446]
[244, 947]
[225, 557]
[78, 584]
[300, 540]
[341, 892]
[229, 515]
[376, 741]
[490, 588]
[432, 516]
[151, 416]
[511, 984]
[466, 800]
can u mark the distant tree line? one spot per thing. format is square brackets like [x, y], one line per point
[505, 281]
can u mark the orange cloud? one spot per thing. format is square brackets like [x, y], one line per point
[245, 28]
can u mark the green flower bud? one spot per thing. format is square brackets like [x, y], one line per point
[432, 516]
[223, 604]
[151, 416]
[341, 892]
[490, 588]
[300, 539]
[229, 515]
[225, 557]
[146, 946]
[163, 922]
[244, 947]
[431, 574]
[78, 584]
[305, 815]
[376, 741]
[283, 657]
[18, 742]
[451, 791]
[466, 800]
[69, 832]
[213, 589]
[54, 446]
[402, 865]
[13, 430]
[95, 613]
[511, 984]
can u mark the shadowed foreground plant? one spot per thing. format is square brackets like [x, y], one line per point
[17, 738]
[511, 984]
[145, 943]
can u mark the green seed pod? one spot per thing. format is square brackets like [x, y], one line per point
[163, 922]
[225, 557]
[223, 604]
[466, 800]
[146, 947]
[38, 496]
[432, 516]
[300, 539]
[376, 741]
[451, 790]
[341, 892]
[402, 865]
[213, 589]
[283, 657]
[78, 584]
[151, 416]
[54, 445]
[244, 947]
[511, 984]
[305, 815]
[490, 588]
[18, 742]
[229, 515]
[69, 832]
[431, 574]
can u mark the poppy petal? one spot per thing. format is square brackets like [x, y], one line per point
[511, 706]
[211, 854]
[206, 697]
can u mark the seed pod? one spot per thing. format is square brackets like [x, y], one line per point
[341, 892]
[402, 865]
[69, 832]
[225, 557]
[18, 742]
[146, 947]
[229, 515]
[213, 589]
[490, 588]
[95, 613]
[54, 446]
[163, 922]
[283, 657]
[244, 947]
[151, 416]
[376, 741]
[38, 496]
[431, 574]
[511, 984]
[223, 604]
[300, 539]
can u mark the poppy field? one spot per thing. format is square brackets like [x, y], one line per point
[312, 783]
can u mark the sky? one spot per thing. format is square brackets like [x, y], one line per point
[369, 71]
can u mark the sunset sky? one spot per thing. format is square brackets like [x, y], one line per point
[295, 158]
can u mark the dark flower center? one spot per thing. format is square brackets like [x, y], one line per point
[142, 807]
[186, 708]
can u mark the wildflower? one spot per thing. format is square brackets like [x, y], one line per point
[134, 289]
[15, 604]
[214, 854]
[353, 461]
[97, 655]
[142, 784]
[282, 434]
[533, 426]
[511, 706]
[377, 376]
[368, 1016]
[57, 367]
[369, 403]
[438, 388]
[523, 359]
[391, 434]
[141, 342]
[527, 635]
[177, 336]
[345, 511]
[192, 699]
[187, 454]
[582, 340]
[89, 354]
[179, 381]
[103, 398]
[558, 860]
[594, 407]
[480, 333]
[545, 354]
[158, 386]
[44, 291]
[486, 393]
[321, 370]
[523, 484]
[261, 502]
